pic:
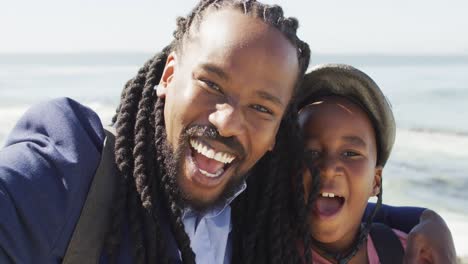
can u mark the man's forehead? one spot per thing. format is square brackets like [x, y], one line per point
[226, 40]
[244, 51]
[229, 28]
[227, 25]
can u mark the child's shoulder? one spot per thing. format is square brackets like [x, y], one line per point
[372, 251]
[372, 248]
[402, 236]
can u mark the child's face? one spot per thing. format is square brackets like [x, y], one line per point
[339, 136]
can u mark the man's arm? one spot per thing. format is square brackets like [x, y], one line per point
[430, 241]
[45, 170]
[403, 218]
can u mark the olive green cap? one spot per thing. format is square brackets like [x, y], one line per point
[353, 84]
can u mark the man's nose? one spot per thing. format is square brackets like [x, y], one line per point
[228, 119]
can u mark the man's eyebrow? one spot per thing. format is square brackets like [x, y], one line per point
[223, 75]
[355, 140]
[215, 70]
[270, 97]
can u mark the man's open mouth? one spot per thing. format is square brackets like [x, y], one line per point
[328, 204]
[210, 162]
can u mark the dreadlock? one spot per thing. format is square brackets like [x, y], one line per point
[262, 226]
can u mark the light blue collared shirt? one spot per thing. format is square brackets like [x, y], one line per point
[209, 233]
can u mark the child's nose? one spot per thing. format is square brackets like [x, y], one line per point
[329, 166]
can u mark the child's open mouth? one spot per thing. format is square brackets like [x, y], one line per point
[328, 204]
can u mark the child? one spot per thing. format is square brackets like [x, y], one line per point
[349, 131]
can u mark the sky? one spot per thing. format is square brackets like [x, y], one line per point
[424, 27]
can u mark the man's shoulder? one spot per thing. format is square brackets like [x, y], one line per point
[46, 168]
[58, 118]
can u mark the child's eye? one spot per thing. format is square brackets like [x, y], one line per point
[262, 109]
[351, 154]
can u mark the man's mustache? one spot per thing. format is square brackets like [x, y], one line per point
[210, 132]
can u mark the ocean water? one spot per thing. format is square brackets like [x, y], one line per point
[429, 95]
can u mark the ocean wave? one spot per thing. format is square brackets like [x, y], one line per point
[439, 191]
[46, 70]
[11, 114]
[429, 166]
[71, 59]
[438, 131]
[431, 147]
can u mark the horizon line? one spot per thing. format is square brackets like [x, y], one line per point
[382, 54]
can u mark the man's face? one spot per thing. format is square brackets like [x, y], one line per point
[234, 76]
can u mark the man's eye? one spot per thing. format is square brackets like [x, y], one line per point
[312, 154]
[262, 109]
[211, 85]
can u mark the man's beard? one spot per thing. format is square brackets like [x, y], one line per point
[174, 161]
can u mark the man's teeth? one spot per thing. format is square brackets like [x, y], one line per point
[211, 153]
[212, 175]
[331, 195]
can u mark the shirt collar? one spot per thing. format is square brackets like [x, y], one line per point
[219, 208]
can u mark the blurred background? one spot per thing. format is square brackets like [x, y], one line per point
[417, 51]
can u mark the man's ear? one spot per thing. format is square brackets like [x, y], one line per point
[272, 145]
[377, 180]
[167, 75]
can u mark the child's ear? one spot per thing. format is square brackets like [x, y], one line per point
[377, 180]
[167, 75]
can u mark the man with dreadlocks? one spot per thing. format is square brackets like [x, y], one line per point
[183, 150]
[199, 117]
